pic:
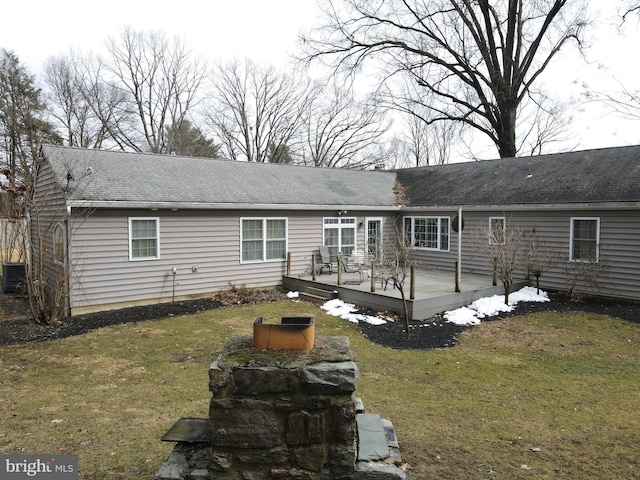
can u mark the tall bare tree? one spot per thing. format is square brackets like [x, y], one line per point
[84, 107]
[161, 80]
[476, 60]
[255, 110]
[340, 131]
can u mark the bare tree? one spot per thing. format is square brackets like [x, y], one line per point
[475, 61]
[503, 244]
[624, 101]
[421, 144]
[83, 106]
[254, 110]
[585, 277]
[340, 131]
[541, 255]
[161, 81]
[631, 7]
[396, 266]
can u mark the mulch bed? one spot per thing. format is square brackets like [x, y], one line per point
[424, 335]
[438, 333]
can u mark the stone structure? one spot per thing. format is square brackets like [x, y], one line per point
[285, 415]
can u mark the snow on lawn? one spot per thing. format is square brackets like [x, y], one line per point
[470, 315]
[338, 308]
[490, 306]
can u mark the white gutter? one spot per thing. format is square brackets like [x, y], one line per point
[541, 206]
[223, 206]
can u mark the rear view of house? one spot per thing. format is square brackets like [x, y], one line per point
[125, 229]
[115, 229]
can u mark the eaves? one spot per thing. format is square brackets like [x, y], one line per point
[635, 205]
[92, 204]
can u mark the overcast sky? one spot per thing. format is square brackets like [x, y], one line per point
[268, 30]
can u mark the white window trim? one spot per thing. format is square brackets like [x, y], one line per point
[571, 255]
[366, 233]
[138, 259]
[342, 223]
[426, 217]
[264, 239]
[504, 230]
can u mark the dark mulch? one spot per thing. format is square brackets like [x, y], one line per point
[22, 329]
[437, 333]
[17, 328]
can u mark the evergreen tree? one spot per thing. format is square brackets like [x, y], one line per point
[186, 139]
[22, 128]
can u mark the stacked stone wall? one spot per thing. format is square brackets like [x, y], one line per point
[281, 414]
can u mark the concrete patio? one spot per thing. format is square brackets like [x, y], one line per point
[434, 291]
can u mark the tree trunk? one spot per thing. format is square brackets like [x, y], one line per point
[507, 133]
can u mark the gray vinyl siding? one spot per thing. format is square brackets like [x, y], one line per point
[50, 211]
[207, 240]
[619, 247]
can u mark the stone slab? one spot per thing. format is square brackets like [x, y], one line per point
[372, 441]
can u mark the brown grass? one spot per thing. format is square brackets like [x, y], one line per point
[545, 396]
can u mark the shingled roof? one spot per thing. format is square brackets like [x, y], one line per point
[584, 177]
[120, 179]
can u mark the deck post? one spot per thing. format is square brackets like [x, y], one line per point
[373, 277]
[288, 264]
[339, 270]
[459, 262]
[313, 267]
[412, 286]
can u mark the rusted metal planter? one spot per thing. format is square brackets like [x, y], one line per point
[293, 333]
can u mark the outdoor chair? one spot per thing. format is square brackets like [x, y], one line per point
[325, 259]
[384, 274]
[354, 264]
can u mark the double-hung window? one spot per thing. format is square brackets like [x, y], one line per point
[339, 234]
[429, 233]
[263, 239]
[585, 239]
[144, 238]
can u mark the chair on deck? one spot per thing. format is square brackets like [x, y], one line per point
[354, 264]
[325, 259]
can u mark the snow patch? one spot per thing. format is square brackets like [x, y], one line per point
[490, 306]
[338, 308]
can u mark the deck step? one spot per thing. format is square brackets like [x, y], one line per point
[317, 295]
[311, 297]
[321, 292]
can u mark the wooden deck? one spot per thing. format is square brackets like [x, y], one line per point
[434, 291]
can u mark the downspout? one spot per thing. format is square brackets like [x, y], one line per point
[67, 263]
[459, 263]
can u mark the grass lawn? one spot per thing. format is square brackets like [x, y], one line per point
[553, 396]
